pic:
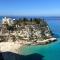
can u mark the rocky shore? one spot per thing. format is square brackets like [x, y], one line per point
[44, 42]
[47, 41]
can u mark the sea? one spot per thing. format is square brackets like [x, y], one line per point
[44, 52]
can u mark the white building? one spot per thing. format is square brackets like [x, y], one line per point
[8, 21]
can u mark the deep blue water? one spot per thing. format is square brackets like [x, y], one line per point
[50, 51]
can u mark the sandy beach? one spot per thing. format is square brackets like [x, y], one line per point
[9, 46]
[15, 46]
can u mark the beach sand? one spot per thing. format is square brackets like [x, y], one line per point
[9, 46]
[15, 46]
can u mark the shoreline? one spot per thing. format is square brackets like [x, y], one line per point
[15, 46]
[47, 41]
[44, 42]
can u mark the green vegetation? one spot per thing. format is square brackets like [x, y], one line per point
[26, 21]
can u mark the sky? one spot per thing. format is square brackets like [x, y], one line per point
[30, 7]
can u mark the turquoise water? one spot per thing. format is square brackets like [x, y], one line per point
[50, 51]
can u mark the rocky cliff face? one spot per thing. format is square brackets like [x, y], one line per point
[34, 32]
[36, 29]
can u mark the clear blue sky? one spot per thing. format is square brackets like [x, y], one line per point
[30, 7]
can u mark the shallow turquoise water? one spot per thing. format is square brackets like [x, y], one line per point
[50, 51]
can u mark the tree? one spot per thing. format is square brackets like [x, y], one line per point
[10, 28]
